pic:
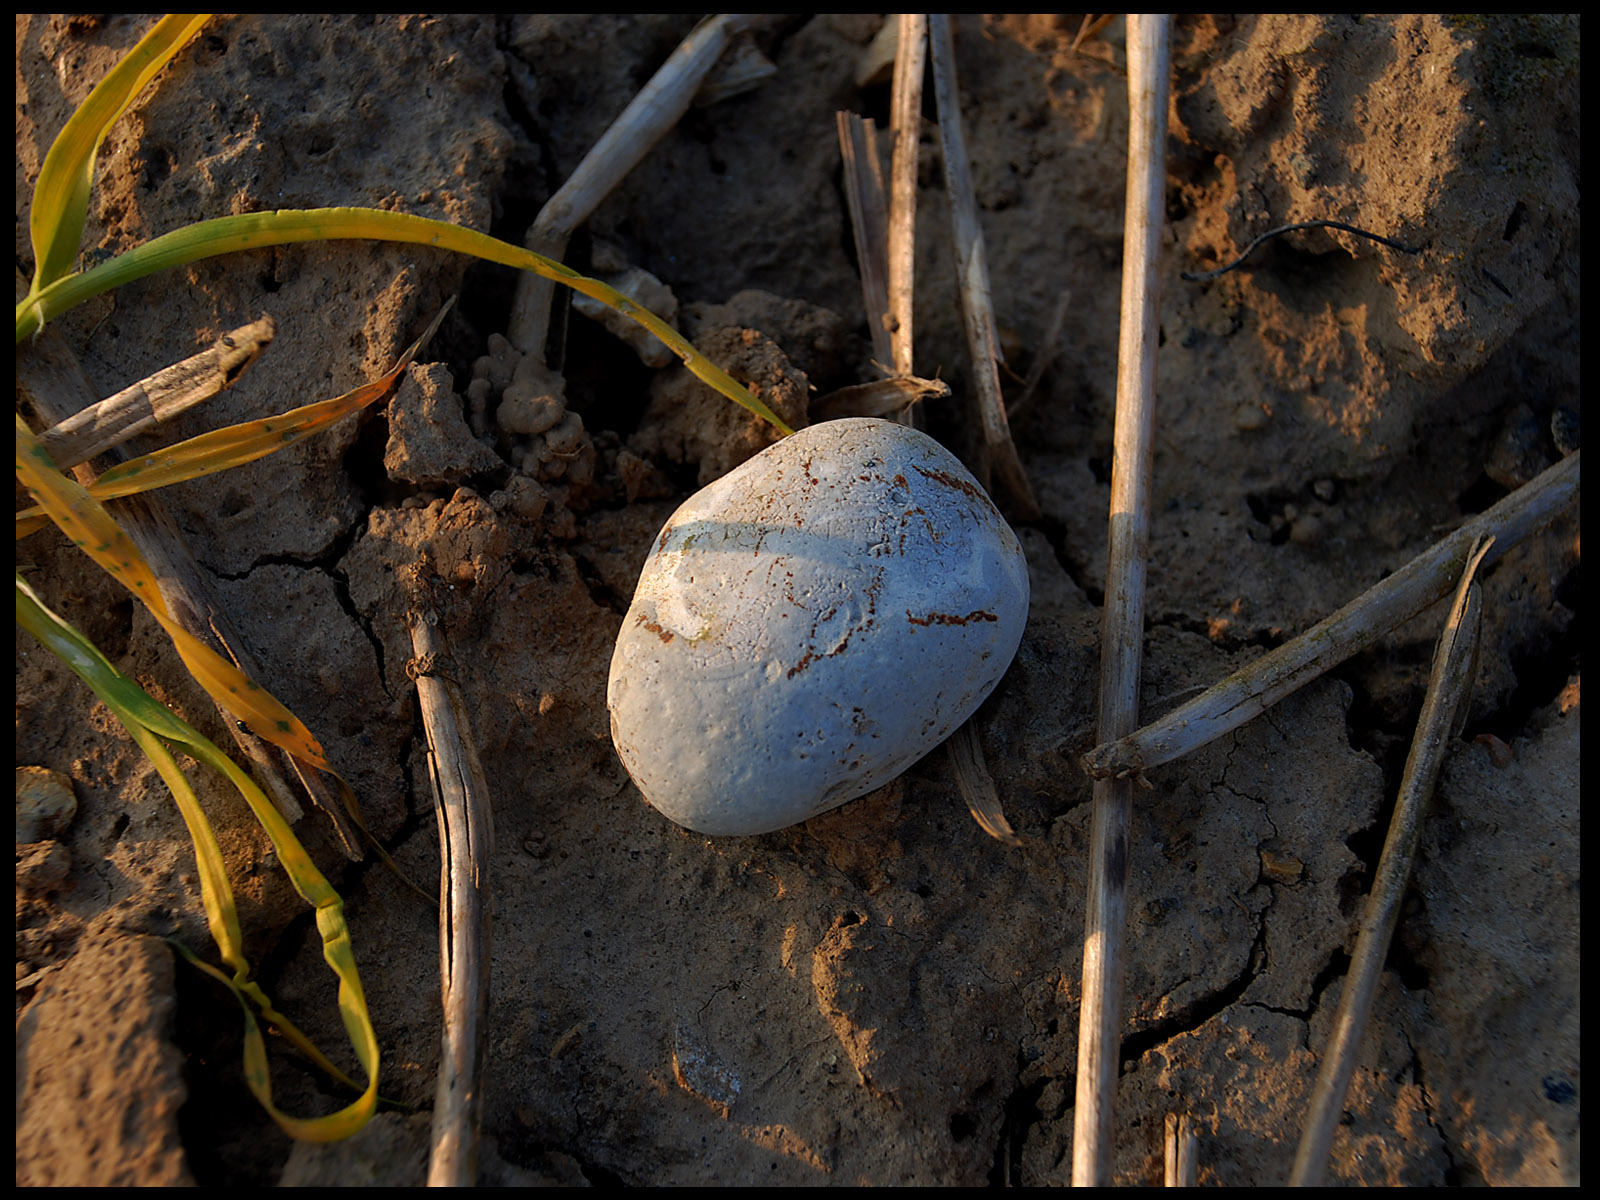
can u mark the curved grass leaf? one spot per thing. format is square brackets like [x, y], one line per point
[61, 195]
[153, 728]
[252, 231]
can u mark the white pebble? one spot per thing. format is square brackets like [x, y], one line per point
[810, 625]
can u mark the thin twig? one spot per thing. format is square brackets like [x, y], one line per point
[916, 32]
[911, 57]
[655, 110]
[886, 246]
[1090, 26]
[1122, 640]
[1045, 353]
[972, 270]
[1454, 663]
[1424, 580]
[1282, 229]
[466, 844]
[889, 319]
[162, 396]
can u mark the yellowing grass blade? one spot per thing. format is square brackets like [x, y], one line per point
[61, 195]
[81, 517]
[153, 727]
[237, 444]
[251, 231]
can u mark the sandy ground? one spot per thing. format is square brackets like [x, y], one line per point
[884, 994]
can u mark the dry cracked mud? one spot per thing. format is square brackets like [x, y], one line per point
[885, 994]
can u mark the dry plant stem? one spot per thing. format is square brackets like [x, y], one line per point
[656, 109]
[1122, 640]
[1090, 26]
[869, 219]
[1182, 1147]
[893, 399]
[162, 396]
[1425, 580]
[1044, 354]
[50, 378]
[895, 255]
[466, 842]
[977, 785]
[911, 58]
[1454, 664]
[972, 270]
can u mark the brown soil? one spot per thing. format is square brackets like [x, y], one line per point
[885, 994]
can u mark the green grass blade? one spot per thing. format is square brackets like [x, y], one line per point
[252, 231]
[61, 195]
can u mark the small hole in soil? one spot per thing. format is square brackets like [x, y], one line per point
[1481, 494]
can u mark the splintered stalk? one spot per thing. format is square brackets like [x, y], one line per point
[160, 397]
[655, 110]
[1454, 662]
[977, 785]
[1424, 580]
[1122, 639]
[885, 237]
[466, 843]
[1182, 1147]
[869, 218]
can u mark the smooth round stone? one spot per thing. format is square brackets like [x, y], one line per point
[810, 625]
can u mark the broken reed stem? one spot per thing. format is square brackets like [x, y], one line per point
[98, 427]
[1122, 640]
[1424, 580]
[466, 842]
[885, 235]
[886, 248]
[910, 61]
[1182, 1147]
[972, 271]
[656, 109]
[893, 397]
[1090, 26]
[917, 31]
[1454, 663]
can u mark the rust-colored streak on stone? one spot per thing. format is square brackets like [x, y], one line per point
[664, 634]
[952, 618]
[949, 481]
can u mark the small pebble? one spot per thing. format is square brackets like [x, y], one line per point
[810, 625]
[1306, 531]
[1249, 417]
